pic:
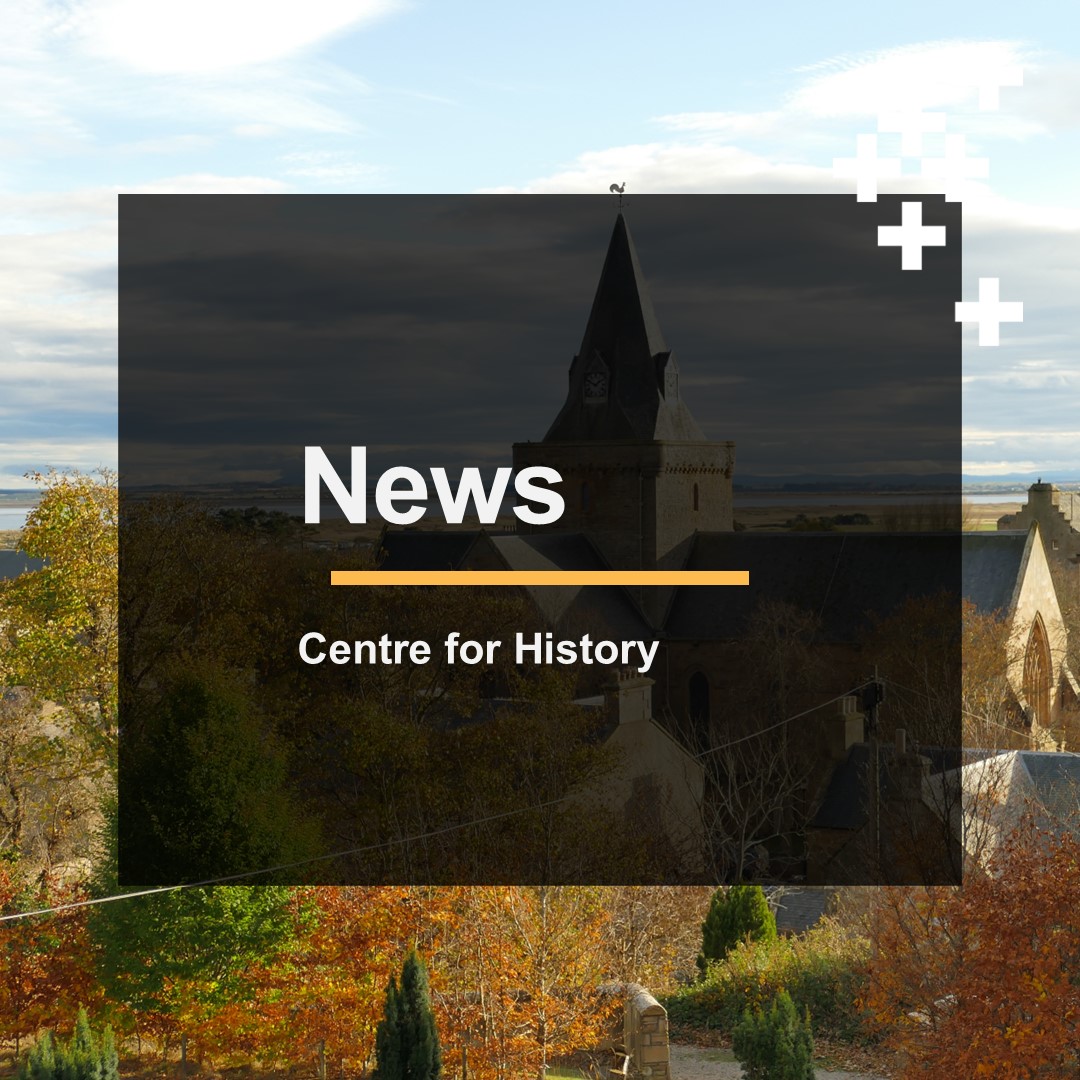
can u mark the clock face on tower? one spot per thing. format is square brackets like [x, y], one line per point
[596, 385]
[671, 383]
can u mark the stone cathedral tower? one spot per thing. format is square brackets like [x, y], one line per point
[639, 477]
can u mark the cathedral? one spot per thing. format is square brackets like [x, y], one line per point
[645, 489]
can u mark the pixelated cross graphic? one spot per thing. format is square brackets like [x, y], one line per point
[911, 236]
[866, 167]
[911, 125]
[990, 86]
[989, 311]
[955, 167]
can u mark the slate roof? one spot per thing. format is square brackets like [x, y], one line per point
[846, 802]
[422, 549]
[623, 332]
[14, 563]
[1055, 781]
[603, 610]
[992, 565]
[799, 909]
[846, 578]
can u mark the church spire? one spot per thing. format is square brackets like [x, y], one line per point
[622, 316]
[624, 382]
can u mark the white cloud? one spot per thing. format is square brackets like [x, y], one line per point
[329, 165]
[201, 36]
[932, 75]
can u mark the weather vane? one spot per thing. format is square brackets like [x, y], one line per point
[618, 189]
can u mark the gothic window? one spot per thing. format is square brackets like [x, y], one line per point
[698, 698]
[1037, 671]
[695, 497]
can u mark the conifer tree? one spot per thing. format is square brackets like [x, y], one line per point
[407, 1042]
[737, 913]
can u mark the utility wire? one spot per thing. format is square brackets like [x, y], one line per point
[779, 723]
[282, 866]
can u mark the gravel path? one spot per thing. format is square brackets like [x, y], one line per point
[698, 1063]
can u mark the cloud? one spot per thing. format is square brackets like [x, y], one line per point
[329, 165]
[202, 36]
[931, 75]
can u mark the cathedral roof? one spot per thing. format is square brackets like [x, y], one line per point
[846, 579]
[623, 344]
[993, 562]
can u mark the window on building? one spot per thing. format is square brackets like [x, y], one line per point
[585, 496]
[695, 497]
[1038, 668]
[698, 700]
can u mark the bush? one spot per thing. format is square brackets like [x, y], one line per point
[736, 914]
[85, 1057]
[775, 1045]
[824, 971]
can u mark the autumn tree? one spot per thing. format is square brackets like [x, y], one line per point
[329, 986]
[60, 622]
[527, 964]
[46, 968]
[986, 980]
[652, 933]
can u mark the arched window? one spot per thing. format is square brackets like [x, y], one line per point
[1038, 667]
[698, 700]
[585, 496]
[695, 497]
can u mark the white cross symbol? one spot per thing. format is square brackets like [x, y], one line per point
[912, 126]
[866, 167]
[988, 311]
[988, 90]
[911, 236]
[955, 167]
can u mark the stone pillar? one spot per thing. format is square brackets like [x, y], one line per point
[646, 1035]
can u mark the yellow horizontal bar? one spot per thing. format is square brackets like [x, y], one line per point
[540, 577]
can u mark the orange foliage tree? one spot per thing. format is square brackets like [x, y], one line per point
[330, 988]
[46, 970]
[985, 980]
[518, 984]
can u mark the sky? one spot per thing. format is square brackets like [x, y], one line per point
[438, 330]
[377, 96]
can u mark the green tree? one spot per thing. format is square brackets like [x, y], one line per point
[736, 913]
[775, 1045]
[407, 1042]
[182, 954]
[206, 789]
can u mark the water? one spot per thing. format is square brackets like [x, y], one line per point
[13, 517]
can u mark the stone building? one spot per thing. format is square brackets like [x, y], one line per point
[644, 489]
[1007, 575]
[1058, 515]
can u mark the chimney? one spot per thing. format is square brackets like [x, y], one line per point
[844, 728]
[908, 770]
[628, 697]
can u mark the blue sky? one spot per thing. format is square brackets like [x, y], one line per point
[377, 96]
